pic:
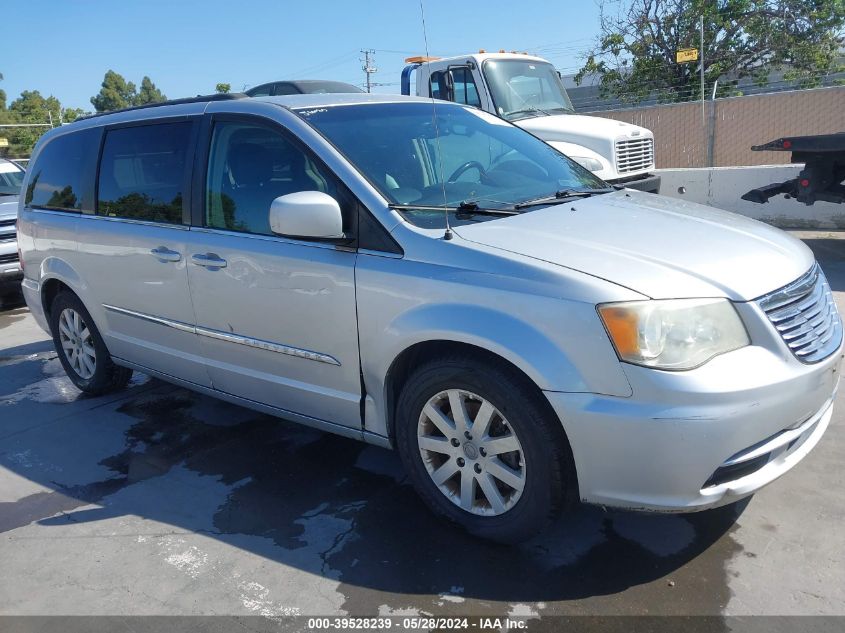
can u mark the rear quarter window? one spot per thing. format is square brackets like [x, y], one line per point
[143, 172]
[63, 174]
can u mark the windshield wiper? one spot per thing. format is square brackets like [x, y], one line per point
[467, 207]
[563, 194]
[528, 111]
[470, 207]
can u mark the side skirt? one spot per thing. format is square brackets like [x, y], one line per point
[316, 423]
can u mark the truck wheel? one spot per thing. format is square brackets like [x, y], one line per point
[81, 349]
[480, 448]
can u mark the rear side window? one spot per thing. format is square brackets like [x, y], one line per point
[143, 172]
[261, 91]
[63, 174]
[285, 89]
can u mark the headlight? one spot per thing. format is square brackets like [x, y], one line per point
[587, 163]
[674, 334]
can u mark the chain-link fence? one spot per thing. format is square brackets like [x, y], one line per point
[721, 134]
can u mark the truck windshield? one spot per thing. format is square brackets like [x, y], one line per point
[11, 178]
[463, 155]
[525, 88]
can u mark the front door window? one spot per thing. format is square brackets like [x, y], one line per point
[250, 166]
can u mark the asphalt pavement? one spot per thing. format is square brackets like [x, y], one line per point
[159, 501]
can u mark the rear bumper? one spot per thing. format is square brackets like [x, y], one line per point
[647, 182]
[32, 295]
[686, 442]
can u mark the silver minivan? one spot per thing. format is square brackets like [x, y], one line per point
[429, 277]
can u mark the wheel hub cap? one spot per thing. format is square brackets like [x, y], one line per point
[471, 452]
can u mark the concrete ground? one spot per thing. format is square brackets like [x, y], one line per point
[156, 500]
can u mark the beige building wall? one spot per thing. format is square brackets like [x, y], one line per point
[682, 135]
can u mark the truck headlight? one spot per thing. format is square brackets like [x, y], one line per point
[587, 163]
[673, 334]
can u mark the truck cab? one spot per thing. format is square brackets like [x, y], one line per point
[528, 92]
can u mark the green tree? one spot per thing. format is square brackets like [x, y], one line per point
[635, 52]
[69, 115]
[148, 93]
[2, 96]
[30, 108]
[115, 93]
[221, 88]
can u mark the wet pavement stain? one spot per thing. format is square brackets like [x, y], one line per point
[10, 317]
[581, 566]
[350, 503]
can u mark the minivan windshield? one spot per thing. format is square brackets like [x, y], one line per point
[424, 157]
[525, 88]
[11, 178]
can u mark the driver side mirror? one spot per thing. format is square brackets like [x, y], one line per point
[307, 214]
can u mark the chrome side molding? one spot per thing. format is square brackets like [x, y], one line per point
[238, 339]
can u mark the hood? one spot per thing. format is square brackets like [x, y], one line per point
[657, 246]
[563, 127]
[8, 207]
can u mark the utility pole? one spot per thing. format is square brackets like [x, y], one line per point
[368, 67]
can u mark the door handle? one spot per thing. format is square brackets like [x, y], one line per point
[208, 260]
[164, 254]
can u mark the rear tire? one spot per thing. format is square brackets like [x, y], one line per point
[81, 349]
[481, 449]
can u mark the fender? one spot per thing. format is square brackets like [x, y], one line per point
[55, 268]
[499, 332]
[540, 358]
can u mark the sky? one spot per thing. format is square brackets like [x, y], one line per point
[64, 47]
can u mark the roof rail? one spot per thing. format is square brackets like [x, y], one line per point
[228, 96]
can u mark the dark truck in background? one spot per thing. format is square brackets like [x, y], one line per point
[821, 179]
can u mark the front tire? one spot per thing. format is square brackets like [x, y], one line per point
[481, 449]
[81, 349]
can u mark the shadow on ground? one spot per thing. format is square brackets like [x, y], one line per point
[341, 509]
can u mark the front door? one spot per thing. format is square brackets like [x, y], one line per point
[276, 317]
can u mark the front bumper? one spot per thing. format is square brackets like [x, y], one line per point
[694, 440]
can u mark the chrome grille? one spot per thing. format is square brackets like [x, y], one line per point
[633, 154]
[804, 314]
[8, 258]
[7, 230]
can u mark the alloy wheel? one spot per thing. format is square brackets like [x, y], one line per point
[77, 343]
[471, 452]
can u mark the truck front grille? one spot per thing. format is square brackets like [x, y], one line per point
[805, 316]
[9, 258]
[633, 154]
[7, 230]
